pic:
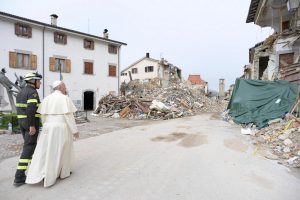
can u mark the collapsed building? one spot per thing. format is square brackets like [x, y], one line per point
[278, 56]
[150, 100]
[148, 68]
[265, 101]
[197, 81]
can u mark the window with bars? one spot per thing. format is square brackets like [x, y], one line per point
[112, 49]
[88, 67]
[60, 38]
[112, 70]
[23, 30]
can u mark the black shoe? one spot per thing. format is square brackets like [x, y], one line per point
[19, 182]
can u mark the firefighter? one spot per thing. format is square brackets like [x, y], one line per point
[27, 102]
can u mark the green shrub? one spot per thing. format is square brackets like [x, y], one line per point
[6, 118]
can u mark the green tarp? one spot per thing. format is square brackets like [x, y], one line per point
[255, 101]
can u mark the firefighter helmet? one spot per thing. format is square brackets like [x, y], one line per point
[32, 76]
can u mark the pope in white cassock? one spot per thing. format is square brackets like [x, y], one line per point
[54, 151]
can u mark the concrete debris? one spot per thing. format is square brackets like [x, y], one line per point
[283, 139]
[288, 142]
[292, 160]
[274, 121]
[246, 131]
[151, 101]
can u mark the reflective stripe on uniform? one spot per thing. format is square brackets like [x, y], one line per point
[32, 101]
[38, 104]
[21, 105]
[22, 167]
[24, 116]
[24, 160]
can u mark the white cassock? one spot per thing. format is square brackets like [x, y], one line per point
[52, 157]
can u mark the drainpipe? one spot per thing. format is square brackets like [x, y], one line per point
[43, 62]
[119, 70]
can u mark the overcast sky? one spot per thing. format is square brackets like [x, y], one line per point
[210, 38]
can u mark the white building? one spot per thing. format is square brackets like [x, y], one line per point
[88, 64]
[148, 68]
[278, 55]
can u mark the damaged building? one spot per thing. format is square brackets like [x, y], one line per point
[88, 64]
[278, 56]
[198, 81]
[148, 68]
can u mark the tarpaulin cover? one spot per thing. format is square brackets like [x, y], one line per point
[255, 101]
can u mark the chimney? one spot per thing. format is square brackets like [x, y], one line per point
[147, 55]
[54, 19]
[221, 88]
[105, 33]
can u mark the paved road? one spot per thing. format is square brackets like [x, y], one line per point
[195, 158]
[11, 144]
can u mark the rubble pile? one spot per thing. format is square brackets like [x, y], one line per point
[283, 139]
[280, 140]
[150, 101]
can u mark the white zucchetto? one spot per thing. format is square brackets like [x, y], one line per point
[56, 83]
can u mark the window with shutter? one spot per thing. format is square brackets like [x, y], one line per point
[52, 64]
[112, 49]
[33, 64]
[23, 61]
[68, 66]
[23, 30]
[88, 67]
[59, 65]
[60, 38]
[112, 70]
[12, 59]
[88, 44]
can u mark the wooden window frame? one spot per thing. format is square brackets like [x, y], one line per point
[134, 70]
[23, 64]
[60, 68]
[112, 72]
[23, 30]
[88, 44]
[31, 61]
[85, 71]
[60, 38]
[112, 49]
[53, 65]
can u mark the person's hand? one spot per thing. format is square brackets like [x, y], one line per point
[76, 135]
[32, 130]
